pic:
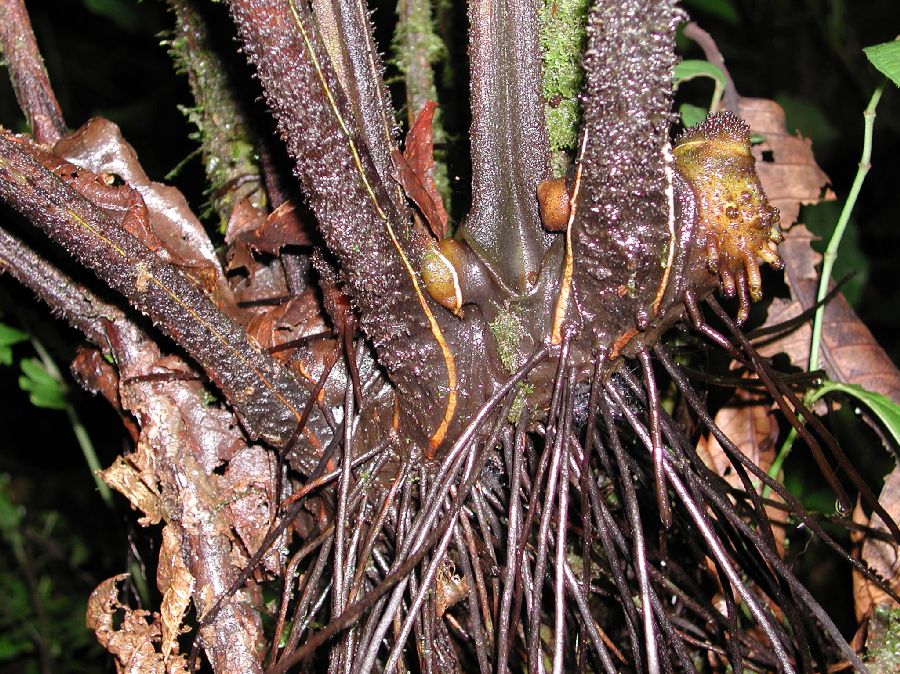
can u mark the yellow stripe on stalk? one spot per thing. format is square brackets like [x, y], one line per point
[440, 433]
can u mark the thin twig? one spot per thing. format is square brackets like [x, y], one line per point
[829, 257]
[714, 56]
[28, 74]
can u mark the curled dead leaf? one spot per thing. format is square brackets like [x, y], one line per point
[251, 229]
[176, 583]
[130, 636]
[283, 227]
[95, 374]
[415, 168]
[784, 162]
[135, 485]
[449, 588]
[99, 146]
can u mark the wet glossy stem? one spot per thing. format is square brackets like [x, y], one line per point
[828, 260]
[264, 393]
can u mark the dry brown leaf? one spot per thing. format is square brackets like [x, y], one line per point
[415, 167]
[251, 229]
[283, 227]
[791, 178]
[135, 485]
[882, 557]
[176, 583]
[131, 636]
[299, 317]
[243, 222]
[95, 374]
[849, 353]
[265, 281]
[785, 162]
[449, 588]
[99, 147]
[748, 422]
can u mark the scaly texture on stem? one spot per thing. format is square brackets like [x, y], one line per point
[358, 220]
[624, 228]
[264, 393]
[72, 302]
[417, 48]
[361, 223]
[29, 77]
[510, 151]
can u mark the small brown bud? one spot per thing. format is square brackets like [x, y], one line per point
[553, 198]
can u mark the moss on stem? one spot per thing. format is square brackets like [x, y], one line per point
[562, 44]
[227, 143]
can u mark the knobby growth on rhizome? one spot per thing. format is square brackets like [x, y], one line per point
[384, 430]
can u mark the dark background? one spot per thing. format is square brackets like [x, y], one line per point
[105, 58]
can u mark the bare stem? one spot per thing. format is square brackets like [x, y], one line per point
[80, 432]
[831, 252]
[714, 56]
[29, 77]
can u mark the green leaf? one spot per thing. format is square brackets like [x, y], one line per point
[887, 411]
[8, 337]
[692, 68]
[720, 9]
[14, 646]
[691, 114]
[886, 57]
[43, 389]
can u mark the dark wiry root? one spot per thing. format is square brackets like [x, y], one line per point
[653, 404]
[504, 552]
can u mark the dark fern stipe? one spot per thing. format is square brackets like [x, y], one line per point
[460, 445]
